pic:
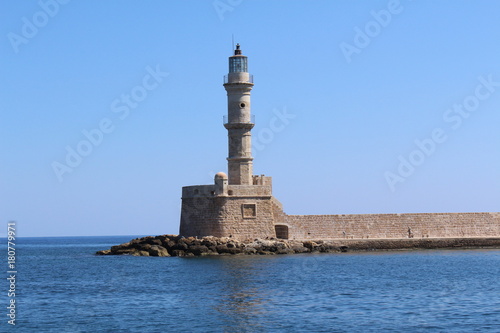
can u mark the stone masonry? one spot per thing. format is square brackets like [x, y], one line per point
[424, 225]
[223, 210]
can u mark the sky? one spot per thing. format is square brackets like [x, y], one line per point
[108, 108]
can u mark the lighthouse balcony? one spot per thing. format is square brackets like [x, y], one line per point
[240, 77]
[239, 123]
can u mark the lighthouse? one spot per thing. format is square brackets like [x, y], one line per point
[238, 204]
[239, 122]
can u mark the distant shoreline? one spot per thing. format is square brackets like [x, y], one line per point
[178, 246]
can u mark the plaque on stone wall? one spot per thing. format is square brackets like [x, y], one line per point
[249, 210]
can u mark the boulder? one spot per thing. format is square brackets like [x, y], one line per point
[139, 253]
[265, 253]
[174, 238]
[235, 250]
[199, 250]
[249, 250]
[224, 249]
[298, 247]
[178, 253]
[168, 243]
[155, 241]
[285, 251]
[158, 251]
[144, 247]
[124, 251]
[120, 247]
[181, 245]
[209, 242]
[188, 240]
[161, 238]
[310, 245]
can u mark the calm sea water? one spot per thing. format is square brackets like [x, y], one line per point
[63, 287]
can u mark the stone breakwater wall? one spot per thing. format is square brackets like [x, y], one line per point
[419, 225]
[174, 245]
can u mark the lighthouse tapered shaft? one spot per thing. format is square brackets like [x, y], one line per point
[238, 84]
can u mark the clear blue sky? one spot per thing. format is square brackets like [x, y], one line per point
[362, 87]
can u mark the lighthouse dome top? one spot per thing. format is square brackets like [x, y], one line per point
[237, 51]
[221, 175]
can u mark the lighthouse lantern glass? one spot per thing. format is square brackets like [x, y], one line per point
[238, 64]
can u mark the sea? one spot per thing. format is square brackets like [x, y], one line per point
[61, 286]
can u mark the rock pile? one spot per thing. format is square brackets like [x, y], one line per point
[178, 246]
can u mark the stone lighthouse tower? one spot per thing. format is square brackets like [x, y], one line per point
[238, 204]
[238, 84]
